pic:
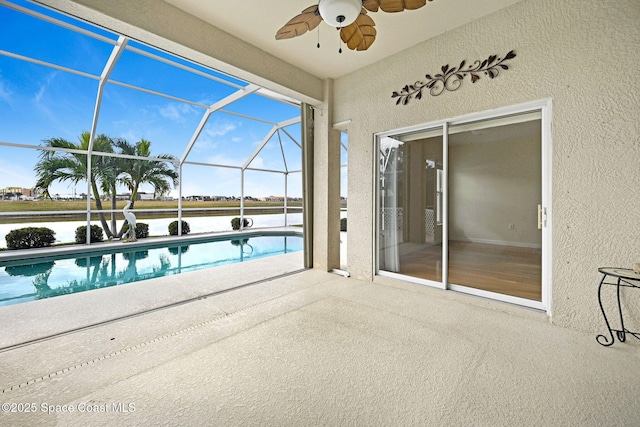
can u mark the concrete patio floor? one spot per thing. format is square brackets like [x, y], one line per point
[306, 348]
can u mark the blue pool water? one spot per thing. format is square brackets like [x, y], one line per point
[22, 281]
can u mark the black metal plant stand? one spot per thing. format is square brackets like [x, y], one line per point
[621, 278]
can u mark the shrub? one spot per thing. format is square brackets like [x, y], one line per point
[29, 269]
[239, 242]
[30, 237]
[142, 230]
[343, 224]
[235, 223]
[175, 250]
[173, 228]
[96, 234]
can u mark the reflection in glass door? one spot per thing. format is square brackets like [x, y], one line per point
[411, 205]
[495, 173]
[344, 156]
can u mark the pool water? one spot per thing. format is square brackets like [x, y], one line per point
[22, 281]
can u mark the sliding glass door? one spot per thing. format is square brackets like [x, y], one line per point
[464, 205]
[411, 205]
[495, 188]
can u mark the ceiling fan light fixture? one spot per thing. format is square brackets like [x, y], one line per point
[339, 13]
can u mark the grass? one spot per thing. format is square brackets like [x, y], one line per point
[65, 205]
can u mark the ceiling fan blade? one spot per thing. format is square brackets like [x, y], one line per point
[371, 5]
[361, 34]
[392, 6]
[308, 20]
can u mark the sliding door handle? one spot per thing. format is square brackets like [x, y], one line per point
[539, 217]
[542, 217]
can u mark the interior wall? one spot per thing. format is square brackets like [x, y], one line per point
[414, 193]
[492, 185]
[421, 188]
[581, 55]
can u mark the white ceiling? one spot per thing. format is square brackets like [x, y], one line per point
[257, 21]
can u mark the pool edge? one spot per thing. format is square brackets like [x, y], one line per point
[36, 253]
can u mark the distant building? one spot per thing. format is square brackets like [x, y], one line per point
[16, 193]
[140, 196]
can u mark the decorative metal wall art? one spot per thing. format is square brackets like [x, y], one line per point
[451, 78]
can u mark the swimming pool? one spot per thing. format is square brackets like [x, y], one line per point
[28, 280]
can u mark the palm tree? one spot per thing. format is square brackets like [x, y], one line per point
[111, 168]
[65, 166]
[106, 171]
[133, 173]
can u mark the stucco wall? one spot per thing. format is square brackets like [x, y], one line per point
[326, 182]
[582, 55]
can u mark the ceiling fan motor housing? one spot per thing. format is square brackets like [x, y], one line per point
[339, 13]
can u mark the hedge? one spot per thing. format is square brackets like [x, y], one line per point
[173, 228]
[30, 237]
[235, 223]
[96, 234]
[142, 230]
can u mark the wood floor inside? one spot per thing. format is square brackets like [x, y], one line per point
[502, 269]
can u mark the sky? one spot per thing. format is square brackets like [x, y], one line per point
[39, 102]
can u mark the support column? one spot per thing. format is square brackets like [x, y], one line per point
[306, 113]
[326, 212]
[180, 198]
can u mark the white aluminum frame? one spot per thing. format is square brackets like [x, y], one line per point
[545, 107]
[119, 46]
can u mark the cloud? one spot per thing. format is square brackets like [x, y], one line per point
[39, 96]
[219, 128]
[16, 175]
[178, 112]
[5, 93]
[223, 159]
[272, 184]
[219, 181]
[213, 181]
[131, 135]
[43, 103]
[212, 135]
[258, 163]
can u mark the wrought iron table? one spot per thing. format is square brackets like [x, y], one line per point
[620, 278]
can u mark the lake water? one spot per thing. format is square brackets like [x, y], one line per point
[65, 231]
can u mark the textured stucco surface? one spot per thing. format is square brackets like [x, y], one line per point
[326, 173]
[317, 349]
[581, 55]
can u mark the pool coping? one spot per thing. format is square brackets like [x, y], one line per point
[37, 320]
[118, 246]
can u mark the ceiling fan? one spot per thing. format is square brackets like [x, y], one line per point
[349, 16]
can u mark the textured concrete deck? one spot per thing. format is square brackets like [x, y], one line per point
[314, 348]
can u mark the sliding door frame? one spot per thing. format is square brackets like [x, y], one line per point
[545, 107]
